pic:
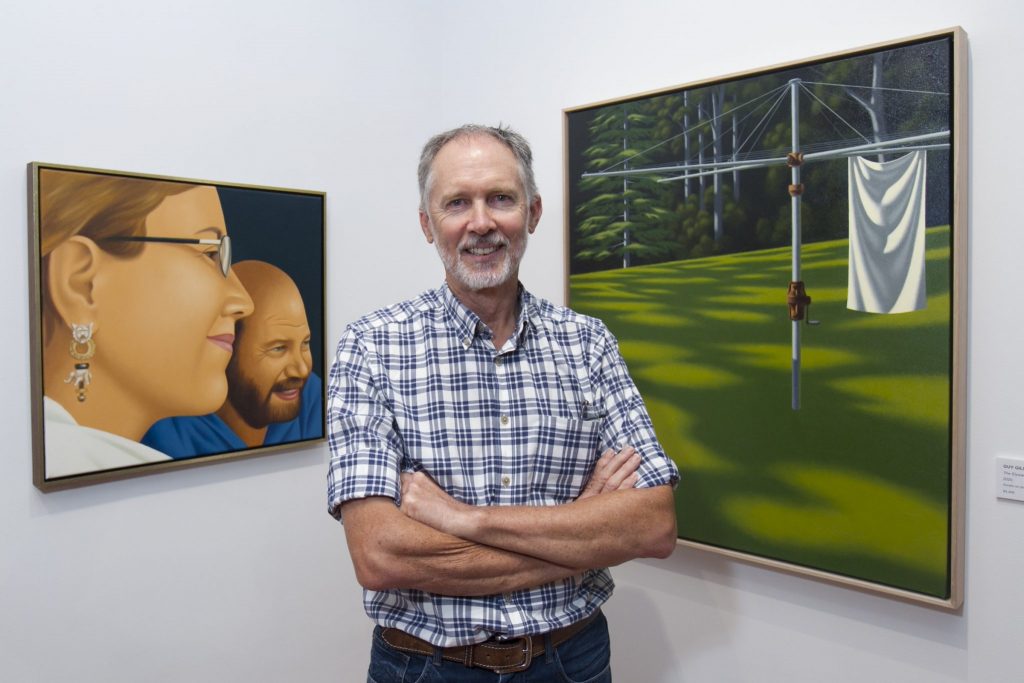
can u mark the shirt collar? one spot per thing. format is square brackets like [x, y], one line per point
[467, 325]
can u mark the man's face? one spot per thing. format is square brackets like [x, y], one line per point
[271, 362]
[477, 213]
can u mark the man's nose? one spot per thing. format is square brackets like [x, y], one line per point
[481, 220]
[298, 366]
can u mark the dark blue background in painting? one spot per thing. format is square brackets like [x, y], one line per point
[285, 229]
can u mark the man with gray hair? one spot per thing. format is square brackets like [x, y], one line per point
[490, 455]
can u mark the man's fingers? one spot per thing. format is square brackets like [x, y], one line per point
[625, 475]
[613, 471]
[598, 477]
[604, 466]
[609, 464]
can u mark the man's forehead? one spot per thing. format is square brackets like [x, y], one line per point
[264, 336]
[280, 323]
[474, 146]
[287, 321]
[476, 159]
[281, 315]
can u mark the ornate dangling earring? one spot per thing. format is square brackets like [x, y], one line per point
[80, 377]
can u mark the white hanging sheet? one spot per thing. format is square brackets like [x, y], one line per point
[887, 260]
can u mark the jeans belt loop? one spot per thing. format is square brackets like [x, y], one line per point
[490, 655]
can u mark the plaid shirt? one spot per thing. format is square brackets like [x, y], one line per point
[420, 386]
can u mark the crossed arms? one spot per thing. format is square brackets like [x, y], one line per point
[437, 544]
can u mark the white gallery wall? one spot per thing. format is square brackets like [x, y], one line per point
[235, 572]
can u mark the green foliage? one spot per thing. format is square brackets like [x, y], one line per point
[637, 220]
[622, 218]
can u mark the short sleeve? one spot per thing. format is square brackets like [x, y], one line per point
[366, 450]
[627, 422]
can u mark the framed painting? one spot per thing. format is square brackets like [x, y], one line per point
[175, 322]
[781, 254]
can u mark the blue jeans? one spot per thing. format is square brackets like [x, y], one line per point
[584, 658]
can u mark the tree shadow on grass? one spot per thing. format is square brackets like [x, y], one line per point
[857, 481]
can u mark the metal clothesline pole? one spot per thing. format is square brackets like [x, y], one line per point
[837, 154]
[795, 190]
[897, 145]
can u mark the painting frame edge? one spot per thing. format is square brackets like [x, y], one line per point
[39, 479]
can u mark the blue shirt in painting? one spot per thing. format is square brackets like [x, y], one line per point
[187, 437]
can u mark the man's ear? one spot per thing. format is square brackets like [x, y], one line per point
[70, 279]
[536, 209]
[425, 226]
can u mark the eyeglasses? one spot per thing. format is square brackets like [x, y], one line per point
[223, 246]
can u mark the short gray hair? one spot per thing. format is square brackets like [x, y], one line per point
[511, 139]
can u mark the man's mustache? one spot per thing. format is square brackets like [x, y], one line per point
[493, 240]
[289, 384]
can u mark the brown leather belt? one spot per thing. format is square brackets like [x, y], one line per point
[499, 656]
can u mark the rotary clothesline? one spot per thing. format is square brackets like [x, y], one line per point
[758, 129]
[903, 144]
[797, 298]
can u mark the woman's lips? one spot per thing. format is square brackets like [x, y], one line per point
[224, 341]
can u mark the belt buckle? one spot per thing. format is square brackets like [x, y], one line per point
[523, 645]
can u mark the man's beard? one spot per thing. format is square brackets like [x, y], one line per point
[477, 279]
[254, 404]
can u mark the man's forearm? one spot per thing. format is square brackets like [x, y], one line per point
[598, 531]
[602, 531]
[390, 550]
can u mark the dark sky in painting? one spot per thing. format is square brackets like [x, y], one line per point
[904, 90]
[285, 229]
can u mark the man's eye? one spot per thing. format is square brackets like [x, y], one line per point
[456, 203]
[503, 200]
[213, 255]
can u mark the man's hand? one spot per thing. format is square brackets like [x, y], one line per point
[426, 502]
[612, 472]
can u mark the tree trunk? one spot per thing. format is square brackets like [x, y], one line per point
[625, 190]
[878, 102]
[735, 155]
[874, 105]
[717, 95]
[686, 141]
[700, 151]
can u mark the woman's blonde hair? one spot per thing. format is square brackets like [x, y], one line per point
[96, 206]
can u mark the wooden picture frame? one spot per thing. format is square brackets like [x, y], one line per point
[714, 225]
[174, 322]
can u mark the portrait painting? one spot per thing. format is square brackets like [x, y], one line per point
[781, 254]
[175, 322]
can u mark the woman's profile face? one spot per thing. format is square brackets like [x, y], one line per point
[166, 317]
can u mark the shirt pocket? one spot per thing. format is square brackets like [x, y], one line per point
[564, 451]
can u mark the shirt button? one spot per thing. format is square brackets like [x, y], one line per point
[497, 361]
[506, 480]
[504, 419]
[467, 341]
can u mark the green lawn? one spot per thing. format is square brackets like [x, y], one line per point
[857, 481]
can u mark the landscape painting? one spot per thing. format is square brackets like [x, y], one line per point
[781, 256]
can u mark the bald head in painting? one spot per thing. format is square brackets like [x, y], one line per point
[271, 361]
